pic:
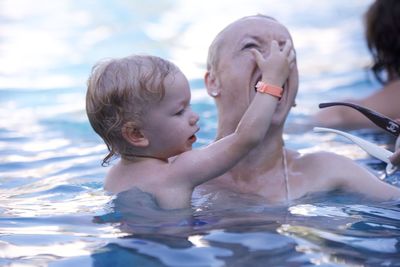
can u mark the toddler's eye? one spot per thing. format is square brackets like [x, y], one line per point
[180, 112]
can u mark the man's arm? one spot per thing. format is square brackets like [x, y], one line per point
[349, 176]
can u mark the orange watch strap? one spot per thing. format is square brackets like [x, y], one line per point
[269, 89]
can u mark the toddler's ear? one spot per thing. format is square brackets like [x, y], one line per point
[132, 133]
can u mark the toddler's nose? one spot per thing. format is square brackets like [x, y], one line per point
[194, 118]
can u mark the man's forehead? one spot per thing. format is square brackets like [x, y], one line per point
[251, 26]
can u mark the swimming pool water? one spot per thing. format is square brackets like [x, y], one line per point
[53, 210]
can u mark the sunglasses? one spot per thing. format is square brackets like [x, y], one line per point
[380, 120]
[372, 149]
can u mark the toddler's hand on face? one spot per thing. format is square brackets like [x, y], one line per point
[276, 67]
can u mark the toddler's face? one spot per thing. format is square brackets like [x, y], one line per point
[171, 124]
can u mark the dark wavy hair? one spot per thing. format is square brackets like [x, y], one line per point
[382, 31]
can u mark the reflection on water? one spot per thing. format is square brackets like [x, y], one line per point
[53, 210]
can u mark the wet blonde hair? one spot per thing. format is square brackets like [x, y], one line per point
[119, 91]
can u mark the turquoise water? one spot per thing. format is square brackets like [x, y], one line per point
[53, 210]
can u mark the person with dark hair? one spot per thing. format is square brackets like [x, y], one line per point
[382, 34]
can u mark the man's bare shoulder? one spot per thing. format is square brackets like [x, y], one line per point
[325, 170]
[318, 160]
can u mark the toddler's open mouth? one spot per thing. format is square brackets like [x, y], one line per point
[193, 138]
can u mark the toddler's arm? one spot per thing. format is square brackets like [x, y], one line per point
[198, 166]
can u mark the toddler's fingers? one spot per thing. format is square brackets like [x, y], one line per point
[257, 55]
[274, 46]
[287, 48]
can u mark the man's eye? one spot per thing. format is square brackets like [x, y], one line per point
[250, 45]
[281, 44]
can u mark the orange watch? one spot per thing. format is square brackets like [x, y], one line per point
[269, 89]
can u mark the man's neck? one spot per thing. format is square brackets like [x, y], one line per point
[263, 159]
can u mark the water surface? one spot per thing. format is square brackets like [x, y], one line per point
[53, 210]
